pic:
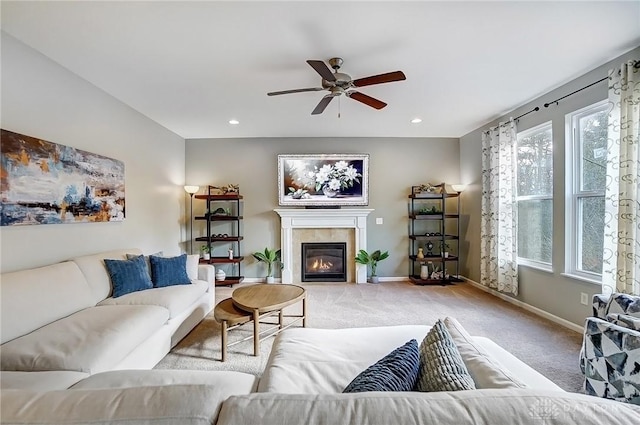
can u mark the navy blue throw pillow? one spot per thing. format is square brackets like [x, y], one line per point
[128, 275]
[397, 371]
[169, 271]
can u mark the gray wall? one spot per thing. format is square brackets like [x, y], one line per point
[395, 165]
[551, 292]
[44, 100]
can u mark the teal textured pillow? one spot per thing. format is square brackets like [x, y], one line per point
[441, 366]
[397, 371]
[169, 271]
[128, 275]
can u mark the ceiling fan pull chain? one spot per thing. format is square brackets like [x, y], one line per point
[339, 107]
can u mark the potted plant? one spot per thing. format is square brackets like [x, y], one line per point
[271, 257]
[444, 249]
[206, 252]
[371, 260]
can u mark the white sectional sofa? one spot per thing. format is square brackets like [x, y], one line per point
[60, 324]
[303, 381]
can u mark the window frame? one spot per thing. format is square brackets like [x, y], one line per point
[542, 265]
[574, 193]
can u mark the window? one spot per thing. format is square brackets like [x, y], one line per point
[535, 195]
[586, 173]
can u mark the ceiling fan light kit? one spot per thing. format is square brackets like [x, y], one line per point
[339, 83]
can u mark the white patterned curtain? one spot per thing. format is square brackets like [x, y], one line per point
[499, 220]
[621, 267]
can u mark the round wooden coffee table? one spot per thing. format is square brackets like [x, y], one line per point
[264, 300]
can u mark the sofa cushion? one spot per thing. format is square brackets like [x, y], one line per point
[624, 320]
[397, 371]
[169, 271]
[128, 275]
[148, 405]
[35, 297]
[95, 272]
[441, 366]
[40, 381]
[624, 304]
[176, 299]
[232, 382]
[484, 368]
[92, 340]
[306, 360]
[476, 407]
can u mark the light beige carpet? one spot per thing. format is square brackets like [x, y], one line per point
[546, 346]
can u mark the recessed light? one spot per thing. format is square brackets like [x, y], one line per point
[234, 122]
[416, 121]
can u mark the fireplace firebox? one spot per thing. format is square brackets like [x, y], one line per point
[324, 262]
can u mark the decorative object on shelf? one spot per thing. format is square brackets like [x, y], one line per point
[230, 253]
[429, 248]
[371, 260]
[323, 179]
[222, 211]
[206, 252]
[429, 188]
[220, 275]
[271, 257]
[426, 211]
[444, 249]
[191, 190]
[420, 253]
[231, 189]
[424, 271]
[49, 183]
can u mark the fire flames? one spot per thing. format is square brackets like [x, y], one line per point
[321, 265]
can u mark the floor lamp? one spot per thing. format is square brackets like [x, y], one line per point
[191, 190]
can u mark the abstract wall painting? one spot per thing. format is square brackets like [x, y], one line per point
[46, 183]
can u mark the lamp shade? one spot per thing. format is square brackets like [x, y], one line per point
[458, 187]
[191, 189]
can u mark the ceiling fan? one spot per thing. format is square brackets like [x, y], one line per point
[339, 83]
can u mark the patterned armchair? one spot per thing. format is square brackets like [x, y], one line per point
[610, 357]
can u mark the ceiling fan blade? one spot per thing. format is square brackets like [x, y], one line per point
[389, 77]
[322, 69]
[367, 100]
[322, 105]
[276, 93]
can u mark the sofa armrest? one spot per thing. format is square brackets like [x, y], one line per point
[611, 359]
[599, 305]
[207, 273]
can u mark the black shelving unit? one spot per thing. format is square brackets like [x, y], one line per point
[434, 222]
[223, 229]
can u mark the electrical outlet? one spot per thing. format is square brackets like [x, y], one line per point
[584, 298]
[379, 220]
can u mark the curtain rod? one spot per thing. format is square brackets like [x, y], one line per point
[636, 64]
[546, 105]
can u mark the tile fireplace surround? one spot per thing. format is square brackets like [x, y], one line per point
[344, 218]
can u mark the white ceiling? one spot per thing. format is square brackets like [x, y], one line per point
[193, 66]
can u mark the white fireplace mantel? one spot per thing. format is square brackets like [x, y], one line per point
[295, 218]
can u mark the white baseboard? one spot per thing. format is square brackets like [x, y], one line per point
[535, 310]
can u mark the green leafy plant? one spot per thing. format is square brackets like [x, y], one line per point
[372, 259]
[271, 257]
[205, 249]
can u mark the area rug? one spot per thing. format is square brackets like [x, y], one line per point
[546, 346]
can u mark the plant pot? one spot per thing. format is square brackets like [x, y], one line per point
[374, 279]
[424, 272]
[271, 279]
[206, 256]
[330, 193]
